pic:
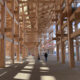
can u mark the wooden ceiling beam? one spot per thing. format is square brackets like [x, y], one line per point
[28, 2]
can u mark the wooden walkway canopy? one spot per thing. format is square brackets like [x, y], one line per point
[22, 23]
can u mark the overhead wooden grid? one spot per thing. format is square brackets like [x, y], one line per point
[22, 23]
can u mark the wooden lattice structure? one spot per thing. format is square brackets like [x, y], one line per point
[22, 22]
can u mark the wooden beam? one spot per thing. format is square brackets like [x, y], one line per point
[16, 35]
[2, 41]
[70, 40]
[75, 34]
[57, 52]
[29, 2]
[12, 44]
[7, 9]
[8, 29]
[18, 53]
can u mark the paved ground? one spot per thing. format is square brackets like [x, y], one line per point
[40, 70]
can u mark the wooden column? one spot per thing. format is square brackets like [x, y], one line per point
[12, 51]
[57, 47]
[2, 40]
[77, 50]
[77, 46]
[18, 46]
[26, 52]
[36, 52]
[61, 42]
[23, 53]
[18, 55]
[57, 52]
[63, 52]
[12, 44]
[70, 40]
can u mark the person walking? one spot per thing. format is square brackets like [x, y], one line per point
[46, 56]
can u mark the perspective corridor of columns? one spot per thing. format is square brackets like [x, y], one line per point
[33, 27]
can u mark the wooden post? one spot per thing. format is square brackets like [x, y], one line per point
[70, 40]
[61, 42]
[63, 52]
[36, 52]
[18, 55]
[77, 46]
[18, 46]
[12, 51]
[2, 40]
[12, 44]
[57, 47]
[23, 53]
[77, 50]
[57, 52]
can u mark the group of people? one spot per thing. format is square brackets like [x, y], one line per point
[45, 56]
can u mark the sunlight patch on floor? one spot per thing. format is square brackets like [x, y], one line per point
[26, 70]
[22, 76]
[7, 65]
[44, 68]
[31, 63]
[20, 62]
[28, 67]
[30, 60]
[48, 78]
[43, 63]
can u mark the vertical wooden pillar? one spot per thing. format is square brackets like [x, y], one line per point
[63, 52]
[23, 53]
[62, 35]
[12, 51]
[70, 40]
[2, 40]
[36, 52]
[18, 55]
[57, 49]
[77, 46]
[18, 31]
[77, 50]
[12, 44]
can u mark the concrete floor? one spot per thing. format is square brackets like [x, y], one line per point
[32, 69]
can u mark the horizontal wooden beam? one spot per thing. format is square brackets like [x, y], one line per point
[8, 29]
[20, 39]
[64, 35]
[75, 34]
[29, 2]
[55, 38]
[16, 35]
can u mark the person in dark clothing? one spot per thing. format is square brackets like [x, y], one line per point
[46, 55]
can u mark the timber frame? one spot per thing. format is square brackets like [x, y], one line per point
[22, 23]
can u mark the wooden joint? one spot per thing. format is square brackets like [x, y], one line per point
[16, 35]
[20, 39]
[20, 20]
[8, 29]
[64, 35]
[77, 15]
[15, 12]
